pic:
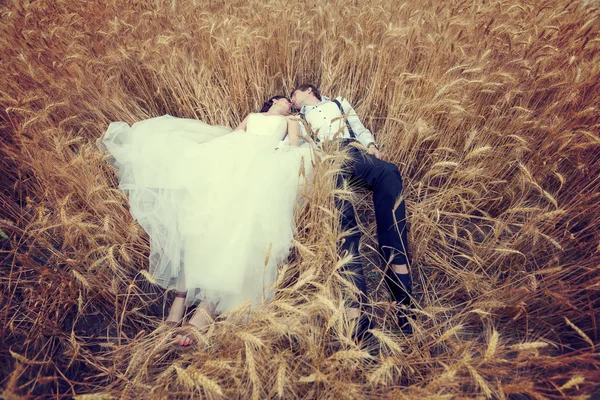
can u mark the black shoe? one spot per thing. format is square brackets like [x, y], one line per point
[403, 320]
[404, 313]
[400, 286]
[361, 330]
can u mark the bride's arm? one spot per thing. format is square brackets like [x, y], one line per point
[243, 125]
[293, 131]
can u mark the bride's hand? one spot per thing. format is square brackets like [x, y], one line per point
[293, 131]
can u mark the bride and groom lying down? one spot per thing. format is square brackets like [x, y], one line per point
[213, 200]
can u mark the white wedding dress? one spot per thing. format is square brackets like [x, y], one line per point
[213, 202]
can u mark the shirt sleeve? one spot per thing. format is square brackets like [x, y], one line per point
[302, 127]
[303, 132]
[363, 135]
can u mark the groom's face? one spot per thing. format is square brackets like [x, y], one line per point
[299, 97]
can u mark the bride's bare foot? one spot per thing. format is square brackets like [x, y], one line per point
[177, 309]
[203, 317]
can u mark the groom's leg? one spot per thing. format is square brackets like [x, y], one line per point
[351, 242]
[385, 181]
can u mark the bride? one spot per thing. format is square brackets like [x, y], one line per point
[218, 205]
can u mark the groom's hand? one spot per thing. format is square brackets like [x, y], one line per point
[373, 150]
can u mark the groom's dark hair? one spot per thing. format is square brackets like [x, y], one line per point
[305, 86]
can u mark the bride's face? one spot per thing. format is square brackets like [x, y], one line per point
[282, 106]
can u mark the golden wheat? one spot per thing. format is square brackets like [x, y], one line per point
[488, 109]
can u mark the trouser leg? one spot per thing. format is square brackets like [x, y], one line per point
[384, 179]
[350, 243]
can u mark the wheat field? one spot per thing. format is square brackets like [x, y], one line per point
[490, 109]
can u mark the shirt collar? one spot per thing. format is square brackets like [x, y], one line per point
[305, 109]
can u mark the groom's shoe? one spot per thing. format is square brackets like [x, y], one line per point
[403, 319]
[401, 289]
[361, 329]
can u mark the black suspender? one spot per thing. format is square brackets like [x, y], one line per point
[337, 103]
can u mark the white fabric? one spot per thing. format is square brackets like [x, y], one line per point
[212, 202]
[327, 120]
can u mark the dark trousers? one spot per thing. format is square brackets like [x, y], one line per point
[384, 179]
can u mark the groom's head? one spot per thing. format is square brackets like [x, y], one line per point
[305, 94]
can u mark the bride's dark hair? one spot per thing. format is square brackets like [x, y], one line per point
[269, 102]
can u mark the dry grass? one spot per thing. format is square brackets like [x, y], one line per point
[490, 109]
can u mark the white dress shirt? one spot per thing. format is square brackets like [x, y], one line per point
[328, 122]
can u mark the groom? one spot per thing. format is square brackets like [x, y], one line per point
[329, 118]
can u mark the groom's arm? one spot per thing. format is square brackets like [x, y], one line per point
[363, 135]
[302, 125]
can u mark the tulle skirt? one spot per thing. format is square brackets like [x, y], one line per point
[218, 206]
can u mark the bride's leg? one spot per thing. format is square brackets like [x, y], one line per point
[204, 316]
[178, 307]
